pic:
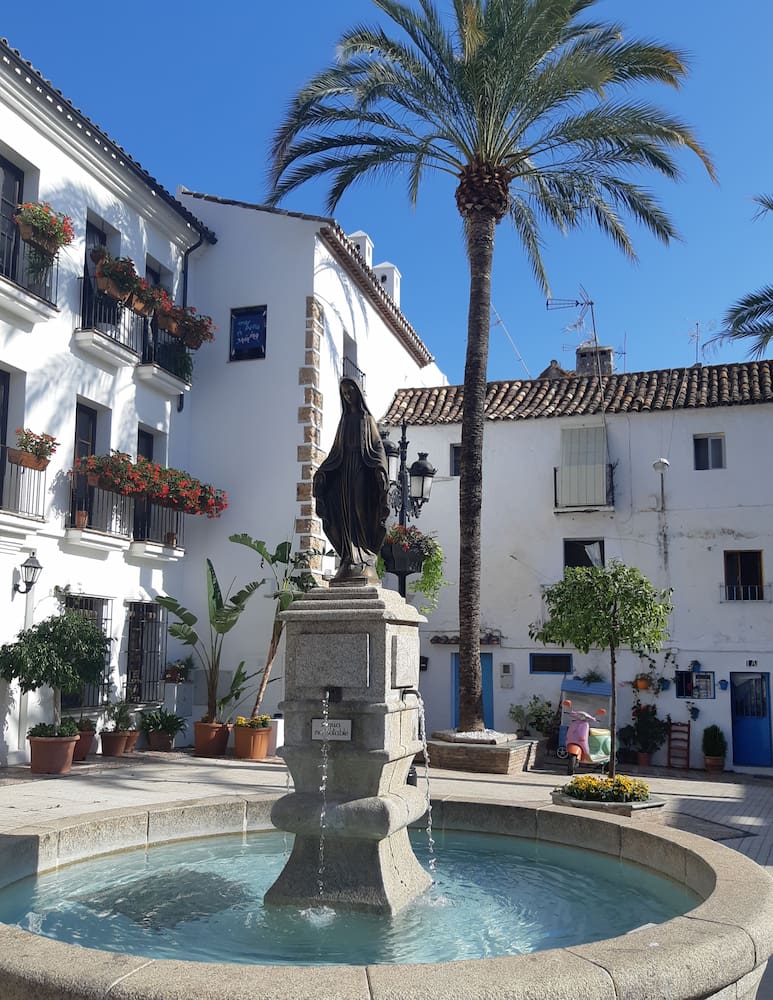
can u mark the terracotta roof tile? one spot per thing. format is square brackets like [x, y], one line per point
[698, 387]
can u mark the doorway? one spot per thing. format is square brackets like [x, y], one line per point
[750, 707]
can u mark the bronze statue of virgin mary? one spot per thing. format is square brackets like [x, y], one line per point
[351, 488]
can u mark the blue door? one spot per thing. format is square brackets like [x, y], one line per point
[487, 669]
[750, 705]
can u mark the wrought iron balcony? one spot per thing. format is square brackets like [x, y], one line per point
[154, 523]
[350, 370]
[22, 490]
[110, 318]
[97, 509]
[29, 268]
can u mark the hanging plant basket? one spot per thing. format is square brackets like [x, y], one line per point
[36, 239]
[108, 287]
[16, 456]
[400, 560]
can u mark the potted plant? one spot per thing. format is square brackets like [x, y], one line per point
[145, 298]
[405, 551]
[52, 748]
[251, 737]
[62, 652]
[120, 734]
[160, 728]
[44, 228]
[714, 746]
[116, 277]
[87, 730]
[168, 315]
[113, 472]
[33, 451]
[195, 329]
[224, 612]
[650, 732]
[178, 671]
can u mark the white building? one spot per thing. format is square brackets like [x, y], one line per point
[297, 306]
[569, 477]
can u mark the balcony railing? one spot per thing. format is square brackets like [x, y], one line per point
[29, 268]
[583, 486]
[154, 523]
[350, 370]
[744, 592]
[97, 509]
[22, 490]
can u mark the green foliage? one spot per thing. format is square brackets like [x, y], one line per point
[649, 731]
[605, 607]
[67, 727]
[63, 652]
[431, 580]
[161, 721]
[292, 580]
[119, 717]
[589, 788]
[751, 318]
[537, 712]
[223, 614]
[714, 743]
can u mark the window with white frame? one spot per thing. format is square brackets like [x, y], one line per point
[709, 451]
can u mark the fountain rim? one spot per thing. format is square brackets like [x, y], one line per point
[723, 941]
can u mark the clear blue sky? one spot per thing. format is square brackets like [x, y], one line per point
[193, 91]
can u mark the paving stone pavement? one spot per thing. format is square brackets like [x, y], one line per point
[734, 809]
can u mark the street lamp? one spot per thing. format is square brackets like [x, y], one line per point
[30, 571]
[409, 488]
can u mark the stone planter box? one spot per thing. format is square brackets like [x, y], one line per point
[652, 809]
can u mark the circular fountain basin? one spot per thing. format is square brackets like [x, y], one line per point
[723, 943]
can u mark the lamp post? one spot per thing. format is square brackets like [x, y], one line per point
[409, 488]
[30, 571]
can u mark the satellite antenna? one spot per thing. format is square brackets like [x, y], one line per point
[498, 322]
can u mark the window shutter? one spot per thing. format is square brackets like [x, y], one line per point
[582, 478]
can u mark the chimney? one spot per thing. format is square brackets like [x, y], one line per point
[389, 279]
[592, 359]
[364, 246]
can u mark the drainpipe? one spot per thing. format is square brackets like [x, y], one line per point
[186, 254]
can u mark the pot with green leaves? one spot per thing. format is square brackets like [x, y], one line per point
[87, 730]
[251, 737]
[160, 728]
[52, 747]
[63, 653]
[119, 735]
[714, 746]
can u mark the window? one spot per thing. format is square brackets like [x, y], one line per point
[743, 576]
[10, 195]
[583, 552]
[550, 663]
[695, 684]
[583, 478]
[99, 610]
[456, 451]
[709, 451]
[146, 652]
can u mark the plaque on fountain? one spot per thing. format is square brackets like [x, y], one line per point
[337, 729]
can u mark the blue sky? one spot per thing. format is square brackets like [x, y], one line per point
[194, 93]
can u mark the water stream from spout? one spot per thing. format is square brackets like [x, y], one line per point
[423, 738]
[323, 792]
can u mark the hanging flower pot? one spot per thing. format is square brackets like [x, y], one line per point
[141, 306]
[168, 323]
[108, 287]
[16, 456]
[43, 228]
[398, 559]
[35, 238]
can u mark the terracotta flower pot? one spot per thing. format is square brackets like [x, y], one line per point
[85, 745]
[16, 456]
[141, 307]
[251, 744]
[109, 287]
[33, 236]
[81, 519]
[714, 763]
[132, 736]
[641, 684]
[51, 754]
[113, 743]
[210, 739]
[168, 323]
[643, 759]
[160, 741]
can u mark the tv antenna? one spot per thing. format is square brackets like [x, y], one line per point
[498, 322]
[584, 304]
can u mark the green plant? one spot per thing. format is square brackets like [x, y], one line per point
[39, 445]
[254, 722]
[292, 579]
[518, 714]
[54, 227]
[432, 580]
[714, 743]
[86, 725]
[605, 607]
[195, 329]
[161, 721]
[119, 270]
[67, 727]
[537, 712]
[173, 357]
[119, 717]
[591, 676]
[223, 614]
[650, 732]
[589, 788]
[179, 671]
[62, 652]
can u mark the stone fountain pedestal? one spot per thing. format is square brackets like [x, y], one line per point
[361, 645]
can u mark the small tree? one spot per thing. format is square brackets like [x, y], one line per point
[292, 580]
[605, 607]
[62, 652]
[223, 613]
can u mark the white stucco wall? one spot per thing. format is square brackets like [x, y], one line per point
[706, 513]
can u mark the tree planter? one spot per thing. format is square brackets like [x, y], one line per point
[160, 741]
[714, 764]
[113, 744]
[16, 456]
[84, 746]
[210, 739]
[51, 754]
[251, 744]
[400, 560]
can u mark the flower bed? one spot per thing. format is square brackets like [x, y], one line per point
[590, 788]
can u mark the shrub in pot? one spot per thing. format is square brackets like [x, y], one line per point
[62, 652]
[714, 746]
[119, 735]
[87, 730]
[160, 728]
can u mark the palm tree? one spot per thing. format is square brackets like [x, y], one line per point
[516, 101]
[752, 316]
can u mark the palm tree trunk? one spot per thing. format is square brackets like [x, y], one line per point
[479, 232]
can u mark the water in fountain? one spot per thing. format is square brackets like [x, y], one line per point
[325, 749]
[425, 751]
